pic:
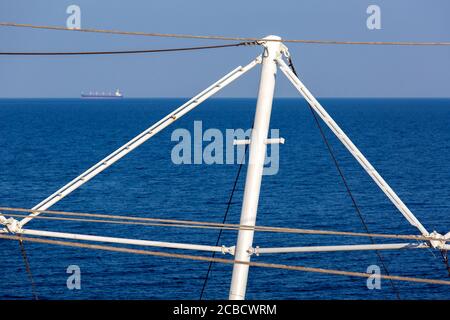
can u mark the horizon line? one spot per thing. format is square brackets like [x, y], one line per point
[254, 98]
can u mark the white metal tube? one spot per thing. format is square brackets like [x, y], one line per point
[255, 167]
[85, 237]
[323, 114]
[358, 247]
[140, 139]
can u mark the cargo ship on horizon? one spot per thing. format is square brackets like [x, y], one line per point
[102, 95]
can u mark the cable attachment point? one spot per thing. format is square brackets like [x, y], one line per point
[250, 43]
[438, 241]
[229, 250]
[11, 224]
[253, 251]
[285, 52]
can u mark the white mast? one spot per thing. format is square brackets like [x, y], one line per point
[272, 51]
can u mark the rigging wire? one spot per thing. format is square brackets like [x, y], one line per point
[347, 187]
[222, 260]
[225, 38]
[73, 53]
[202, 225]
[27, 267]
[444, 254]
[230, 199]
[181, 225]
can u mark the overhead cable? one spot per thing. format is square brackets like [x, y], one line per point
[226, 38]
[77, 53]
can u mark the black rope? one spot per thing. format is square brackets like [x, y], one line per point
[344, 180]
[126, 51]
[28, 269]
[444, 254]
[230, 199]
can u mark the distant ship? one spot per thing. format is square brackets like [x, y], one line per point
[103, 95]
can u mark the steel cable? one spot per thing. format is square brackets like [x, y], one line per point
[230, 199]
[226, 38]
[222, 260]
[205, 225]
[347, 187]
[28, 268]
[68, 53]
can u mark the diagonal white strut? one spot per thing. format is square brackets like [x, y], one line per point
[323, 114]
[140, 139]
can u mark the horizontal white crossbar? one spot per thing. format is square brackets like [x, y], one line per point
[85, 237]
[224, 249]
[357, 247]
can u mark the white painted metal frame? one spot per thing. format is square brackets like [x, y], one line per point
[140, 139]
[145, 243]
[272, 50]
[272, 57]
[220, 249]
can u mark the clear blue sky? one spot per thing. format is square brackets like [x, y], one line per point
[329, 71]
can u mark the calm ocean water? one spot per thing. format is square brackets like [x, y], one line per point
[45, 143]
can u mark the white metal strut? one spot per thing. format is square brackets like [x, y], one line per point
[137, 242]
[354, 247]
[323, 114]
[140, 139]
[272, 50]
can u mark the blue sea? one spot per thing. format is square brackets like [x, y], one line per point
[44, 143]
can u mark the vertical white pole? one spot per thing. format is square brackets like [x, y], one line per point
[255, 166]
